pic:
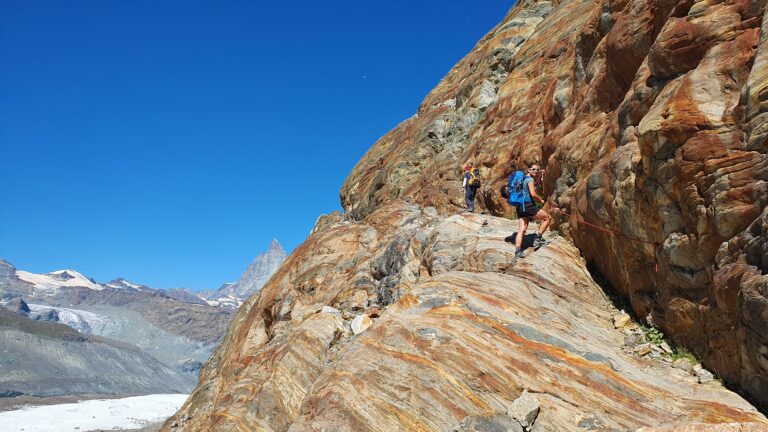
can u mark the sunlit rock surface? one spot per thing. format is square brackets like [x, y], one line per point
[459, 329]
[650, 117]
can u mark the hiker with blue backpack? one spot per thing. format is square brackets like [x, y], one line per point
[521, 193]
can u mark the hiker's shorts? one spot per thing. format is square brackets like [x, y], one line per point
[530, 210]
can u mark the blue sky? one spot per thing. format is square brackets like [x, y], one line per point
[169, 142]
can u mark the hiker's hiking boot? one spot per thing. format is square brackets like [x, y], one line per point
[539, 242]
[519, 254]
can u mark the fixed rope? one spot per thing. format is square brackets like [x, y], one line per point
[616, 233]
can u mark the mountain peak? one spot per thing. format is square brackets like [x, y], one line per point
[257, 273]
[59, 279]
[124, 284]
[275, 246]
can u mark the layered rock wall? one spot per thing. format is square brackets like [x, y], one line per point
[651, 120]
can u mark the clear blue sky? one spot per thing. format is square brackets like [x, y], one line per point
[168, 142]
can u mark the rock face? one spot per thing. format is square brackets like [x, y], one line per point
[460, 331]
[18, 305]
[650, 117]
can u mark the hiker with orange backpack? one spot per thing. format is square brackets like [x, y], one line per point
[471, 185]
[522, 194]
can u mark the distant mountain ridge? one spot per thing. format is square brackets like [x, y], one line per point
[176, 328]
[169, 339]
[229, 295]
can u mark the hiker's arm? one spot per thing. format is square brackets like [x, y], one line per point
[464, 184]
[534, 195]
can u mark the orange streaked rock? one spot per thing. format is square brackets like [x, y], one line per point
[463, 330]
[651, 118]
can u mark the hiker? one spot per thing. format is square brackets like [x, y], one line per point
[471, 185]
[522, 194]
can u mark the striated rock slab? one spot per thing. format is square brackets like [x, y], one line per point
[462, 330]
[701, 427]
[651, 118]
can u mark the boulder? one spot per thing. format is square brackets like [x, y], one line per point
[643, 349]
[359, 300]
[489, 423]
[620, 321]
[704, 376]
[361, 323]
[524, 409]
[330, 310]
[684, 364]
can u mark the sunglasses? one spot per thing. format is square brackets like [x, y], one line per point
[533, 169]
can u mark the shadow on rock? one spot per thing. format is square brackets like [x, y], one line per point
[527, 239]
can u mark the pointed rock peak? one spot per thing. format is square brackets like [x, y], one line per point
[256, 275]
[275, 246]
[6, 264]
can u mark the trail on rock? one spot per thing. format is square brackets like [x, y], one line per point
[465, 331]
[651, 120]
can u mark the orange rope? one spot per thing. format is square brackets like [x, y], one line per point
[655, 244]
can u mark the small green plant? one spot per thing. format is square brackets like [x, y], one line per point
[682, 353]
[653, 335]
[656, 337]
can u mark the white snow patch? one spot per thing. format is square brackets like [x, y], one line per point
[127, 413]
[122, 284]
[132, 285]
[224, 301]
[55, 280]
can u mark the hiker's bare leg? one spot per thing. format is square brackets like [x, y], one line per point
[522, 225]
[545, 219]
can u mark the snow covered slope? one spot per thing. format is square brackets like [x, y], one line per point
[106, 414]
[58, 279]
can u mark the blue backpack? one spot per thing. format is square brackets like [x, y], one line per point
[518, 193]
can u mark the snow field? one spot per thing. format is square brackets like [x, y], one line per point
[125, 413]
